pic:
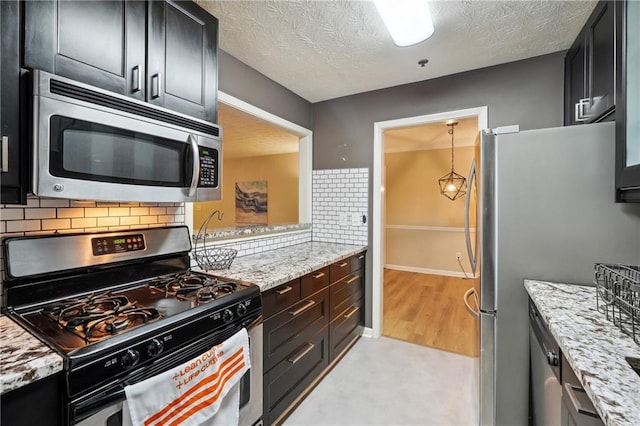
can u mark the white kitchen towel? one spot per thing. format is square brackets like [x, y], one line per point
[199, 392]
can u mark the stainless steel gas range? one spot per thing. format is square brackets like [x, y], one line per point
[121, 307]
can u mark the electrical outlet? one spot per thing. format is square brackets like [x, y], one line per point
[458, 255]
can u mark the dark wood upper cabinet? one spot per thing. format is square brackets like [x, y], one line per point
[101, 43]
[590, 69]
[13, 152]
[162, 52]
[628, 99]
[182, 58]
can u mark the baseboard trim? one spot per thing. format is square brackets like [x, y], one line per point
[457, 274]
[367, 332]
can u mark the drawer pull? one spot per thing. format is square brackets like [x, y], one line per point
[298, 311]
[354, 278]
[350, 314]
[343, 265]
[577, 406]
[287, 289]
[302, 353]
[361, 257]
[318, 275]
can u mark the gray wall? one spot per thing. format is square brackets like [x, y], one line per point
[239, 80]
[527, 92]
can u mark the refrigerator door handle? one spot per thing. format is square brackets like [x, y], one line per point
[467, 230]
[474, 312]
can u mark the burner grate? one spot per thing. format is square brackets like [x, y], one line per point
[194, 288]
[97, 316]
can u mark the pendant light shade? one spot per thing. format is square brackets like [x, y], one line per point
[452, 185]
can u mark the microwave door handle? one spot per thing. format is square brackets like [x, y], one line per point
[193, 141]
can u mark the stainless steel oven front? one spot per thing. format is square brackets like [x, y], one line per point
[92, 144]
[112, 413]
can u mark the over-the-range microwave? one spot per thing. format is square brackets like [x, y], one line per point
[92, 144]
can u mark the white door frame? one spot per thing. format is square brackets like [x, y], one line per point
[378, 187]
[305, 155]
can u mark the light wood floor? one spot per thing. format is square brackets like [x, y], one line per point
[428, 310]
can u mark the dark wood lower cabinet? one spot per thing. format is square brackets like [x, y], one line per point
[38, 403]
[309, 323]
[291, 376]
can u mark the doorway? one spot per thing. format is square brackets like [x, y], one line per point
[378, 210]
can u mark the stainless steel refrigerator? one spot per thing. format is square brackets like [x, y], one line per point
[545, 210]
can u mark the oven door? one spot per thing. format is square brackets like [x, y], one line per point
[106, 408]
[86, 151]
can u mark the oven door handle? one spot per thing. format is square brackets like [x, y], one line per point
[91, 406]
[195, 175]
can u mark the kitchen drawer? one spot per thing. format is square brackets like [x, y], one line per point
[339, 270]
[343, 294]
[287, 330]
[314, 282]
[577, 408]
[291, 376]
[281, 297]
[357, 261]
[345, 328]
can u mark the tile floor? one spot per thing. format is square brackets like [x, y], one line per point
[389, 382]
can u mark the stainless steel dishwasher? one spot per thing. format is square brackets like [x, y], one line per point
[546, 391]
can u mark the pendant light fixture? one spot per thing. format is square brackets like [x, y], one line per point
[452, 185]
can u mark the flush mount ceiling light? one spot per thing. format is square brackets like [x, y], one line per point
[408, 21]
[452, 185]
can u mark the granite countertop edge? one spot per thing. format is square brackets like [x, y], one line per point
[274, 267]
[594, 348]
[24, 359]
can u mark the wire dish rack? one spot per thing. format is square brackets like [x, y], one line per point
[618, 296]
[211, 258]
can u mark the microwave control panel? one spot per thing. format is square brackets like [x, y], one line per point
[208, 167]
[117, 244]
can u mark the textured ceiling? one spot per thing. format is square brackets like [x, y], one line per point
[327, 49]
[245, 135]
[431, 136]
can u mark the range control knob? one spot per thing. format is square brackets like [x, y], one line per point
[552, 358]
[241, 309]
[155, 348]
[227, 315]
[130, 358]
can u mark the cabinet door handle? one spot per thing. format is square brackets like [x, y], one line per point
[136, 79]
[352, 279]
[318, 275]
[577, 406]
[301, 355]
[287, 289]
[350, 314]
[298, 311]
[156, 85]
[5, 154]
[361, 257]
[343, 264]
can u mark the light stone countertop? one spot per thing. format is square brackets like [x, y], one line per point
[23, 358]
[216, 234]
[593, 346]
[274, 267]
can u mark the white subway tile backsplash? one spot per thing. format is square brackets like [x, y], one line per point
[53, 202]
[338, 192]
[56, 224]
[96, 212]
[157, 210]
[70, 212]
[89, 222]
[42, 213]
[108, 221]
[23, 225]
[119, 211]
[144, 220]
[139, 211]
[130, 220]
[12, 214]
